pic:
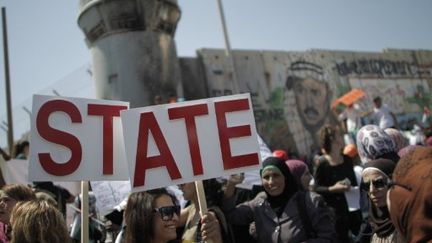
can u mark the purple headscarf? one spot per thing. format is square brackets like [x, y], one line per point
[297, 169]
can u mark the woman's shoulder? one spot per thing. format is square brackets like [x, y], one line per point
[323, 164]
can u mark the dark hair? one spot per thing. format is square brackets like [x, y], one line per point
[139, 215]
[19, 192]
[327, 136]
[213, 192]
[19, 147]
[377, 99]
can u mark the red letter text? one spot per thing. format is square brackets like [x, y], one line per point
[225, 133]
[148, 124]
[188, 113]
[59, 137]
[107, 112]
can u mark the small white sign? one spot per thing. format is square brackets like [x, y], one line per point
[109, 194]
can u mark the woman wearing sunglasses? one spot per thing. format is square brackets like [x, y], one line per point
[151, 216]
[376, 177]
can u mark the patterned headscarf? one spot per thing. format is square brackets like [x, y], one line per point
[398, 138]
[374, 143]
[411, 195]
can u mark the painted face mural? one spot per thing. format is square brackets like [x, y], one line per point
[311, 93]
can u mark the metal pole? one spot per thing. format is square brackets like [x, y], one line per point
[84, 212]
[7, 82]
[228, 51]
[27, 110]
[55, 92]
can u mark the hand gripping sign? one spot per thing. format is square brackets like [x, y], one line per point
[190, 141]
[75, 139]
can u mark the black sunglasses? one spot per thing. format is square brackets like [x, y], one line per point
[379, 183]
[167, 213]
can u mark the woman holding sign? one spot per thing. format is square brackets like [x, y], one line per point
[282, 213]
[153, 217]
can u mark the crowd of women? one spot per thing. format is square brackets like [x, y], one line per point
[392, 180]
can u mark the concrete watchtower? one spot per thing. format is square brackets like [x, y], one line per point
[133, 51]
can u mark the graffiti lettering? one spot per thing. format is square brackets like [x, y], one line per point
[378, 67]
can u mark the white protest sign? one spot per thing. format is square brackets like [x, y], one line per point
[76, 139]
[189, 141]
[109, 194]
[15, 171]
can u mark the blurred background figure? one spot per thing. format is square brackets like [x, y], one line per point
[429, 141]
[407, 150]
[301, 173]
[360, 211]
[382, 115]
[426, 118]
[61, 195]
[280, 153]
[334, 177]
[22, 150]
[351, 118]
[95, 230]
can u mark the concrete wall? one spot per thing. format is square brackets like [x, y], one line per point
[292, 91]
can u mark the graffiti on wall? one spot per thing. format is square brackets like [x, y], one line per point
[378, 67]
[401, 95]
[292, 95]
